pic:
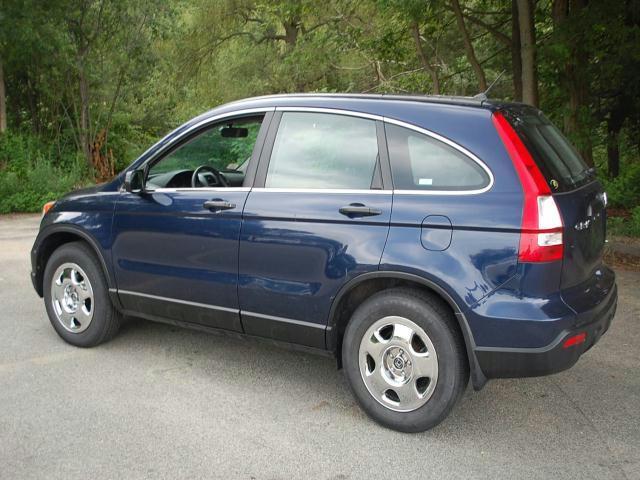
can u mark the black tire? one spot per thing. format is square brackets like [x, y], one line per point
[438, 322]
[106, 320]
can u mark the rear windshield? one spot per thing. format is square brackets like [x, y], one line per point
[558, 160]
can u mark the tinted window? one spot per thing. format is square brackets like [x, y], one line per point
[553, 153]
[225, 146]
[420, 162]
[319, 150]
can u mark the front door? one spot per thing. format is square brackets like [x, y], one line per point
[317, 217]
[175, 248]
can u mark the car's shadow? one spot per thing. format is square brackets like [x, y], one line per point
[246, 366]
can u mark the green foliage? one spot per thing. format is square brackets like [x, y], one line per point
[624, 191]
[211, 149]
[32, 173]
[629, 227]
[149, 65]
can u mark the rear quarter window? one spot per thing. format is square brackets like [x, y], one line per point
[421, 162]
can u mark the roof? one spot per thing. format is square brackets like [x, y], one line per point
[366, 101]
[444, 99]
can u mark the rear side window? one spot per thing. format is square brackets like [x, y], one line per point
[420, 162]
[320, 150]
[560, 163]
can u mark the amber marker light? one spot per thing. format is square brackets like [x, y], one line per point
[47, 206]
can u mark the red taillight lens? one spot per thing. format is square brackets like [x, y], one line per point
[541, 236]
[575, 340]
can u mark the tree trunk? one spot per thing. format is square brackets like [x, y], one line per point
[424, 61]
[3, 102]
[526, 22]
[84, 133]
[613, 153]
[614, 126]
[468, 46]
[291, 31]
[574, 78]
[516, 59]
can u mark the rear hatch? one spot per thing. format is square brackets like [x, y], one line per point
[580, 199]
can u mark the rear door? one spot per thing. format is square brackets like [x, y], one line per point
[582, 204]
[317, 217]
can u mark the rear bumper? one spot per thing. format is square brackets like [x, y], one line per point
[533, 362]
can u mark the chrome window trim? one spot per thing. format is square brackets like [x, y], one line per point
[176, 300]
[320, 190]
[199, 189]
[337, 111]
[409, 126]
[400, 123]
[200, 124]
[453, 145]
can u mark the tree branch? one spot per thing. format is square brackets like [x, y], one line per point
[501, 37]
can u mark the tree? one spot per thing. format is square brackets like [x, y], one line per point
[422, 56]
[516, 52]
[3, 101]
[101, 79]
[574, 69]
[526, 22]
[468, 46]
[107, 40]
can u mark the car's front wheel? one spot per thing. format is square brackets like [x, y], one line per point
[77, 297]
[405, 359]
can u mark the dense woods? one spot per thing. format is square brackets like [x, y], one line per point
[85, 85]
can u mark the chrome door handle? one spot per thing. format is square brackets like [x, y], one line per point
[218, 205]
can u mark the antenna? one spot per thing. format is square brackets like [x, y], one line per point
[483, 95]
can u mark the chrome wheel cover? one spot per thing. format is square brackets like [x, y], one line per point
[72, 298]
[398, 364]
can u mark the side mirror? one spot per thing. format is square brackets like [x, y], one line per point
[134, 181]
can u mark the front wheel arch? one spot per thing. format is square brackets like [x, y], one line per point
[52, 238]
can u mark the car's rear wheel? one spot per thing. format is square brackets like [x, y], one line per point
[405, 359]
[77, 297]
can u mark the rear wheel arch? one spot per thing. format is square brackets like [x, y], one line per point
[363, 286]
[56, 236]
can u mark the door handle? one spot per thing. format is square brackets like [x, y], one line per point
[359, 210]
[217, 205]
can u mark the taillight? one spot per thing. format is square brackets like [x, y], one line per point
[575, 340]
[541, 231]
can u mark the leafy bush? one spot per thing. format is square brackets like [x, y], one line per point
[32, 173]
[624, 191]
[626, 226]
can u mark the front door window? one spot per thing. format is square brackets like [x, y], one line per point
[217, 157]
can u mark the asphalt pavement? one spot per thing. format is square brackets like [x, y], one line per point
[163, 402]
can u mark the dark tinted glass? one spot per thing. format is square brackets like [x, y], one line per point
[213, 149]
[420, 162]
[319, 150]
[560, 163]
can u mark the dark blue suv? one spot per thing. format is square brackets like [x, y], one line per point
[419, 240]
